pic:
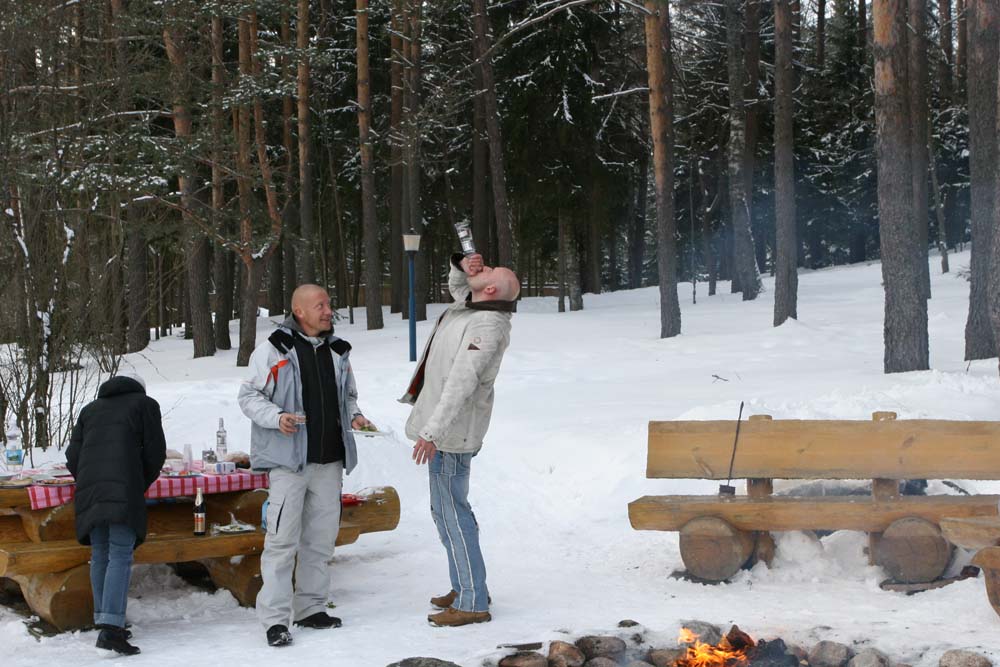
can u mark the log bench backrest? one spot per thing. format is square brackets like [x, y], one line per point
[822, 449]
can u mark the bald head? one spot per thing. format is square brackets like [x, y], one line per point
[311, 308]
[494, 284]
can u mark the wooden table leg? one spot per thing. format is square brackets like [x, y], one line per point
[63, 599]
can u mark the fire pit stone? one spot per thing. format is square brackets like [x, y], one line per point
[423, 662]
[830, 654]
[666, 657]
[869, 657]
[638, 663]
[601, 661]
[524, 659]
[706, 632]
[961, 658]
[601, 647]
[567, 654]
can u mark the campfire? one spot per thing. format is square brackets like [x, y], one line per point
[731, 651]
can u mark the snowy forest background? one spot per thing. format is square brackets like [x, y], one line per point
[171, 165]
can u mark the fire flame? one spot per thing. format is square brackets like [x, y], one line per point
[700, 654]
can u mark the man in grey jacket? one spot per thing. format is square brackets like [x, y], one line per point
[452, 397]
[302, 401]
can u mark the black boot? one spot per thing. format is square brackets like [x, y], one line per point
[278, 635]
[319, 621]
[112, 638]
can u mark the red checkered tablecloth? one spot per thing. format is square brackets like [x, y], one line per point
[164, 487]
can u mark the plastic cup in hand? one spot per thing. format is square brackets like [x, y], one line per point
[300, 417]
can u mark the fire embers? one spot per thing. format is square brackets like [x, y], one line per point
[736, 649]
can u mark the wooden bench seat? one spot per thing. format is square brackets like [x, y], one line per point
[815, 513]
[721, 533]
[59, 555]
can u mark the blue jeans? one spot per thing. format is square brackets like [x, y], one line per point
[111, 547]
[458, 530]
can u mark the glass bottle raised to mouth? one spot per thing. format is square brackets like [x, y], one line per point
[465, 237]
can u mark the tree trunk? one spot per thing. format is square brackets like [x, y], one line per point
[254, 255]
[938, 203]
[982, 89]
[397, 268]
[744, 260]
[786, 280]
[563, 235]
[222, 269]
[863, 30]
[595, 213]
[276, 282]
[138, 281]
[307, 229]
[820, 35]
[917, 45]
[994, 286]
[411, 112]
[480, 170]
[501, 207]
[291, 242]
[659, 64]
[962, 51]
[248, 312]
[751, 98]
[637, 224]
[574, 286]
[905, 329]
[289, 247]
[947, 55]
[197, 245]
[373, 262]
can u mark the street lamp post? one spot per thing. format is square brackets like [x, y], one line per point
[411, 243]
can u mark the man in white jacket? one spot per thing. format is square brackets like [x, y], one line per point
[302, 401]
[452, 397]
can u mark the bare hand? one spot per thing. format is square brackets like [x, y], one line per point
[360, 422]
[472, 264]
[423, 451]
[288, 423]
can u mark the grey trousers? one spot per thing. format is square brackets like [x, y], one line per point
[303, 517]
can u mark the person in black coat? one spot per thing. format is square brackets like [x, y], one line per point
[115, 453]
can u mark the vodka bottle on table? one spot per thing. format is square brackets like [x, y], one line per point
[220, 442]
[14, 452]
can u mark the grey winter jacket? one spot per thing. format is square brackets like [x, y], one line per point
[274, 386]
[452, 388]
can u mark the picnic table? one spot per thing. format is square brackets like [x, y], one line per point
[39, 551]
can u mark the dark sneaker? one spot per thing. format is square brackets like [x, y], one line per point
[112, 638]
[454, 617]
[319, 621]
[278, 635]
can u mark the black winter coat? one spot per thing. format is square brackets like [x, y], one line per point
[115, 453]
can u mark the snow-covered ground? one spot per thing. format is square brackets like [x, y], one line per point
[565, 454]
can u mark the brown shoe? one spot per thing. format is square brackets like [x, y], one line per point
[452, 617]
[444, 601]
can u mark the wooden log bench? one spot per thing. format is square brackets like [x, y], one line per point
[719, 534]
[39, 551]
[983, 534]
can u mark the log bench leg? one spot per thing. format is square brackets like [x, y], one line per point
[912, 550]
[63, 599]
[240, 575]
[712, 549]
[988, 560]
